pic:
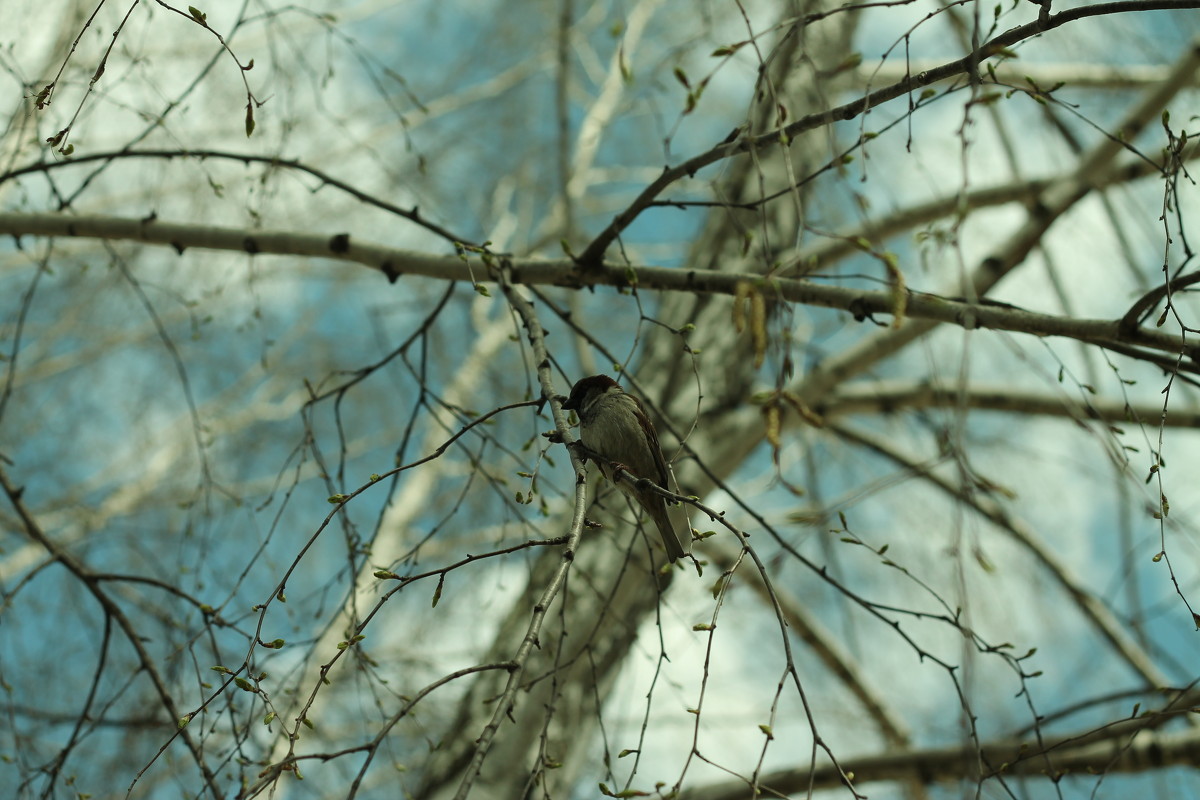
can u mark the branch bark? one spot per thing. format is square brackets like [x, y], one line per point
[1130, 745]
[885, 397]
[927, 309]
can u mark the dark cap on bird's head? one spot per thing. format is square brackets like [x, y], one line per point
[598, 383]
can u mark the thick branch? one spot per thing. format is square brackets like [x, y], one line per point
[1127, 746]
[884, 397]
[393, 262]
[1018, 73]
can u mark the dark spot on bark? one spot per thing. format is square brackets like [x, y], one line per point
[340, 244]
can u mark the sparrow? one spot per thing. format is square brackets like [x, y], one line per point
[614, 426]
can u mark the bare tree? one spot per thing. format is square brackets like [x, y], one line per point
[906, 289]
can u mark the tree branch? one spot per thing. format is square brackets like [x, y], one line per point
[847, 111]
[114, 613]
[413, 214]
[1089, 605]
[394, 262]
[884, 397]
[1129, 745]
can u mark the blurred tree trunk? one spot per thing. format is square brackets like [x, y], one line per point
[595, 621]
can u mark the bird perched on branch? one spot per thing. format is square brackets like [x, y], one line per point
[614, 426]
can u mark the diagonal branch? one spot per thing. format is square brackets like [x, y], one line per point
[823, 643]
[1092, 607]
[1128, 745]
[847, 111]
[1058, 198]
[114, 613]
